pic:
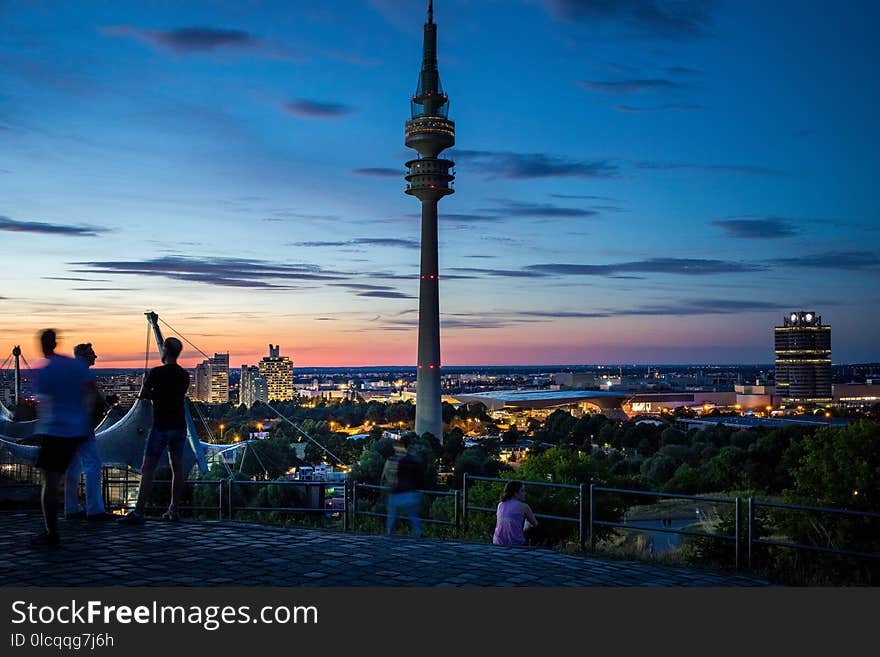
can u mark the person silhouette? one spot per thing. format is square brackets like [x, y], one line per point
[403, 473]
[166, 386]
[87, 460]
[66, 396]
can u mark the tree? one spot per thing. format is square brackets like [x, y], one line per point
[659, 469]
[453, 445]
[840, 467]
[475, 461]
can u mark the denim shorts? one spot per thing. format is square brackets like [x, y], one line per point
[160, 440]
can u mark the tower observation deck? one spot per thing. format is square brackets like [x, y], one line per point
[429, 131]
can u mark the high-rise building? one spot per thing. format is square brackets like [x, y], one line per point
[278, 372]
[210, 381]
[803, 359]
[218, 368]
[201, 382]
[252, 386]
[429, 131]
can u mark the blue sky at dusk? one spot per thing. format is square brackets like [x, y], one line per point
[638, 181]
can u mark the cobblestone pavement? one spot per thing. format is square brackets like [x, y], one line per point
[212, 553]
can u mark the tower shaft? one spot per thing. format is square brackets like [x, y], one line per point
[429, 413]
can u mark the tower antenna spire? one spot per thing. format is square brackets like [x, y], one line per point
[430, 11]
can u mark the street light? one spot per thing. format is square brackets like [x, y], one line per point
[222, 427]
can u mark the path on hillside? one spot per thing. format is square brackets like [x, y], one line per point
[223, 553]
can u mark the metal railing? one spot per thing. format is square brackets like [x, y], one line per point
[218, 508]
[736, 501]
[321, 486]
[753, 540]
[432, 521]
[744, 536]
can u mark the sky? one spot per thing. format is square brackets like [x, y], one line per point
[637, 181]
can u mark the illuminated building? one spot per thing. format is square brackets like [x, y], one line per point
[278, 372]
[803, 359]
[429, 131]
[218, 371]
[252, 386]
[200, 385]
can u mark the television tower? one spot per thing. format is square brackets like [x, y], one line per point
[429, 131]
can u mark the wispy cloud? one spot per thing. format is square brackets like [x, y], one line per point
[380, 294]
[503, 273]
[688, 307]
[744, 169]
[380, 172]
[679, 266]
[769, 228]
[14, 226]
[679, 19]
[364, 241]
[668, 107]
[505, 164]
[311, 109]
[523, 209]
[632, 86]
[846, 260]
[187, 40]
[224, 272]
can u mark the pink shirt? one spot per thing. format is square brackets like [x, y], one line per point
[511, 516]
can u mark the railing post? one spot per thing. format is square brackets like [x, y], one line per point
[751, 533]
[354, 506]
[455, 509]
[345, 506]
[464, 498]
[736, 533]
[582, 510]
[105, 484]
[592, 518]
[231, 511]
[220, 499]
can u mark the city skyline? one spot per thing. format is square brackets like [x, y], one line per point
[654, 187]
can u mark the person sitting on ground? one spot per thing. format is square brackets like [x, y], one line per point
[87, 460]
[512, 514]
[166, 386]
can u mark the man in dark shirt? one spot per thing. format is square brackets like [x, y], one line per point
[166, 386]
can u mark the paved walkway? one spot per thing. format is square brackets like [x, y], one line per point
[215, 553]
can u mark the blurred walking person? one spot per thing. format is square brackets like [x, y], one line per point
[404, 474]
[66, 395]
[87, 460]
[166, 386]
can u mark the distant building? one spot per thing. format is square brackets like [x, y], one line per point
[755, 397]
[210, 381]
[125, 386]
[200, 384]
[252, 387]
[803, 359]
[278, 372]
[218, 370]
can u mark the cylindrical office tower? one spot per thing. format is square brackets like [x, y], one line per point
[429, 131]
